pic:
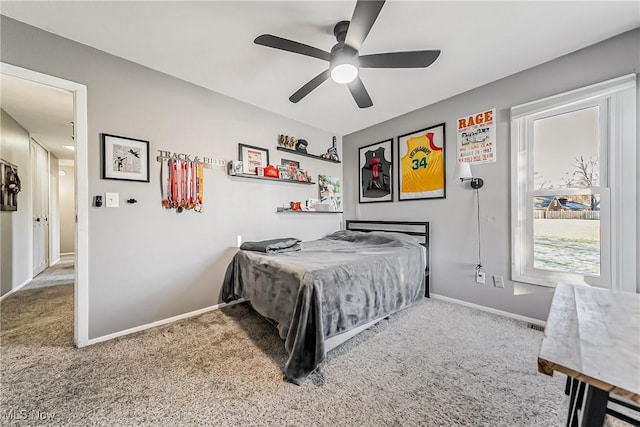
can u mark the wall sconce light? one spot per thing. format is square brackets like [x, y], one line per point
[464, 173]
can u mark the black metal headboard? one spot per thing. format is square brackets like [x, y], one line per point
[419, 229]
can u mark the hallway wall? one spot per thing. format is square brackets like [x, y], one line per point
[15, 226]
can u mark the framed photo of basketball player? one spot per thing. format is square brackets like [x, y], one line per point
[421, 164]
[376, 177]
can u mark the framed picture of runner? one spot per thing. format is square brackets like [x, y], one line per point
[376, 177]
[125, 158]
[421, 164]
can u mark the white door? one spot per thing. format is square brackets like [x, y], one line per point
[40, 179]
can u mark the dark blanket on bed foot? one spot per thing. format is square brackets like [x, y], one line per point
[331, 286]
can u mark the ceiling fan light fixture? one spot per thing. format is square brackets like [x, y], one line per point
[344, 73]
[344, 63]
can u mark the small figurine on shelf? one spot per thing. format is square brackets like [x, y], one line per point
[281, 141]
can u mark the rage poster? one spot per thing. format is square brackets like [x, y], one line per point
[477, 137]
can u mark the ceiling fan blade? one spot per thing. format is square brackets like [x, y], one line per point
[364, 15]
[291, 46]
[360, 94]
[313, 83]
[411, 59]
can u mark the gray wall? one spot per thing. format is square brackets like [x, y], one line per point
[15, 226]
[453, 221]
[147, 263]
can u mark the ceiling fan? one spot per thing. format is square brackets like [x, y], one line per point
[344, 59]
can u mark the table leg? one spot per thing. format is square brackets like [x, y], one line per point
[567, 385]
[594, 408]
[575, 402]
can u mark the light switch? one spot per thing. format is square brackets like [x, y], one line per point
[112, 200]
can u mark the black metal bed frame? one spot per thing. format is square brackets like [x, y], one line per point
[397, 226]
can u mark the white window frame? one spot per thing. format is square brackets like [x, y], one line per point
[617, 188]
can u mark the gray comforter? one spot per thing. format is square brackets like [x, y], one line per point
[332, 285]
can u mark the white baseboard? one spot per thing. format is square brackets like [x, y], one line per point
[67, 254]
[54, 262]
[159, 323]
[17, 288]
[490, 310]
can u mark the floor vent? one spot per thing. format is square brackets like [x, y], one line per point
[536, 327]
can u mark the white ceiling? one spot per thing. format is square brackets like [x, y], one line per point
[44, 111]
[210, 43]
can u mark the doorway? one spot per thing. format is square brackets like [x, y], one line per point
[41, 232]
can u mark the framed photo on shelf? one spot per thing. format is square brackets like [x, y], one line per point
[376, 177]
[290, 163]
[421, 165]
[125, 158]
[285, 171]
[301, 175]
[252, 158]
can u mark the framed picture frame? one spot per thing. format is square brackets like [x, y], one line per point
[124, 158]
[290, 163]
[421, 164]
[252, 158]
[376, 172]
[301, 175]
[285, 171]
[10, 186]
[330, 192]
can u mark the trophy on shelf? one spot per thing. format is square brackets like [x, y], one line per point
[332, 152]
[234, 167]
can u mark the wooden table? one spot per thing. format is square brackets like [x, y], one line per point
[593, 335]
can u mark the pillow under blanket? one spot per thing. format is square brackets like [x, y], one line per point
[272, 245]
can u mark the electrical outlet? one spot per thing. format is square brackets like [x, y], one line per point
[480, 276]
[498, 281]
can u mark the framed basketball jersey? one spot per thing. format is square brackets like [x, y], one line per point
[421, 171]
[376, 163]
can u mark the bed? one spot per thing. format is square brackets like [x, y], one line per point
[334, 287]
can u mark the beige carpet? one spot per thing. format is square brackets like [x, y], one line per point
[61, 273]
[435, 364]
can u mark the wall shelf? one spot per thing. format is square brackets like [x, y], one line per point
[310, 212]
[266, 178]
[313, 156]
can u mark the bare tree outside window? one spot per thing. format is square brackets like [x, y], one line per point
[586, 173]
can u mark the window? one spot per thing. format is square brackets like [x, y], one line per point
[574, 186]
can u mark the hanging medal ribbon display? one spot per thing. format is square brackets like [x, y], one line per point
[182, 180]
[182, 185]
